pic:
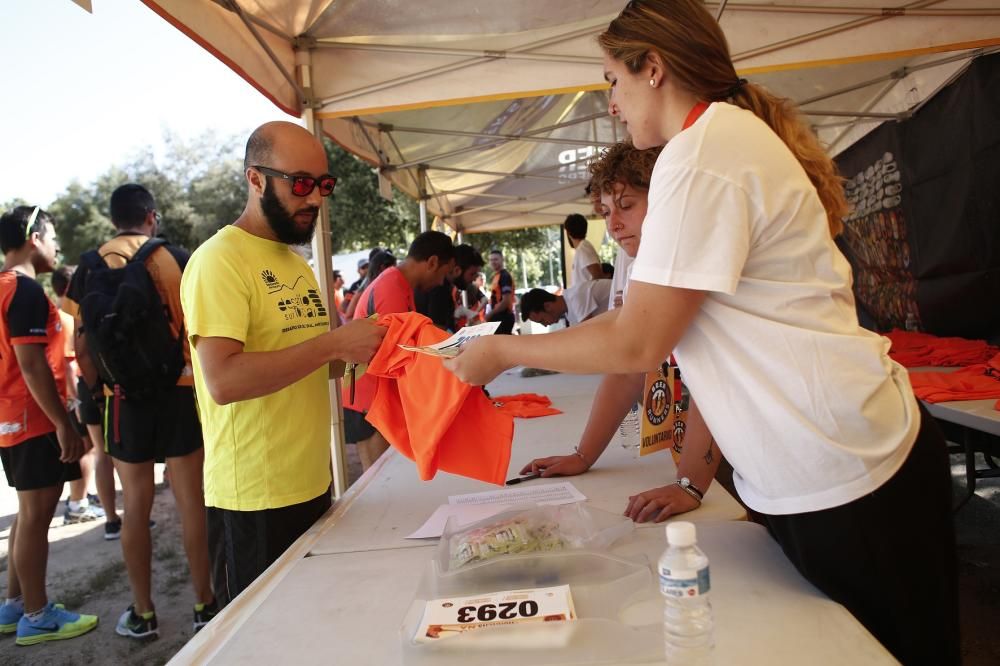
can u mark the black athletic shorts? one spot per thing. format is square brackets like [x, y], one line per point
[35, 464]
[242, 544]
[356, 427]
[165, 426]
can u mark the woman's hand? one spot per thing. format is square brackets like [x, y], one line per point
[479, 362]
[570, 465]
[659, 504]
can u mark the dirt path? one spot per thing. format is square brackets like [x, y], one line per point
[87, 574]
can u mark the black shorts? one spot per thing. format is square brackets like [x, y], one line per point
[356, 427]
[90, 411]
[35, 464]
[242, 544]
[165, 426]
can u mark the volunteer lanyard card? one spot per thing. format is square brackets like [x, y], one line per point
[445, 618]
[664, 413]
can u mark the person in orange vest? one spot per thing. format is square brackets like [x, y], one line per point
[39, 446]
[501, 306]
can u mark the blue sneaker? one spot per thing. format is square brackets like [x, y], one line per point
[55, 625]
[9, 615]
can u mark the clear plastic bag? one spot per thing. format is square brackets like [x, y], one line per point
[527, 530]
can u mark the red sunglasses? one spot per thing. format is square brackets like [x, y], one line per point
[302, 186]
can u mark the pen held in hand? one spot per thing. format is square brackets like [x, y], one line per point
[526, 477]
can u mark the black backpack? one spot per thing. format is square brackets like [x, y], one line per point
[128, 326]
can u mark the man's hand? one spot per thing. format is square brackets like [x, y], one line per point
[479, 362]
[556, 466]
[357, 340]
[71, 446]
[659, 504]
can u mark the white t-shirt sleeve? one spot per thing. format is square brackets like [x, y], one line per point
[585, 255]
[697, 230]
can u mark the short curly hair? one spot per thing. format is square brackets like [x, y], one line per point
[621, 163]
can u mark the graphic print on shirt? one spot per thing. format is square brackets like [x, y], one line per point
[302, 303]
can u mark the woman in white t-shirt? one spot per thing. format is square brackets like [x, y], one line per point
[586, 263]
[738, 274]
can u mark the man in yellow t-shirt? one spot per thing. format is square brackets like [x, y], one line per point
[260, 329]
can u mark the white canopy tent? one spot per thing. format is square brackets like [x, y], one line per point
[486, 111]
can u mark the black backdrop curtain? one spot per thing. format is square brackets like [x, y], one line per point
[924, 235]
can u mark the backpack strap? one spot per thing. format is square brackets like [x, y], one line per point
[91, 260]
[148, 248]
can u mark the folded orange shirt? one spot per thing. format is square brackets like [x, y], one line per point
[428, 414]
[913, 349]
[525, 405]
[976, 382]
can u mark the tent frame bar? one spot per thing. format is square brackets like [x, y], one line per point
[484, 135]
[303, 98]
[499, 141]
[482, 54]
[466, 211]
[462, 64]
[899, 74]
[832, 30]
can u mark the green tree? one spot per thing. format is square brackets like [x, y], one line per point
[526, 254]
[359, 217]
[198, 186]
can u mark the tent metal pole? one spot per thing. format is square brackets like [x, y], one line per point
[504, 137]
[878, 98]
[228, 6]
[507, 203]
[886, 12]
[462, 64]
[898, 74]
[494, 55]
[423, 215]
[833, 30]
[323, 266]
[267, 49]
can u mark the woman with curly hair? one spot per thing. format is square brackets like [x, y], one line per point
[739, 277]
[618, 188]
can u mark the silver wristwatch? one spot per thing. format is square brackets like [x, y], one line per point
[690, 488]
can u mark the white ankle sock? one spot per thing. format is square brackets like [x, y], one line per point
[37, 615]
[16, 602]
[77, 506]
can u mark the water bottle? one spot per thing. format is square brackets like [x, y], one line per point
[630, 429]
[687, 613]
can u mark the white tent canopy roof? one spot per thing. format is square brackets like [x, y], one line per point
[450, 98]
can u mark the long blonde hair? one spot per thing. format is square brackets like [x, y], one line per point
[695, 51]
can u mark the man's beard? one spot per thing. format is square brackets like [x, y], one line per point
[282, 222]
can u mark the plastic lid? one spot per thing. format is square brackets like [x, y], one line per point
[681, 534]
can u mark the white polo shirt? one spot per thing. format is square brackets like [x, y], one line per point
[805, 404]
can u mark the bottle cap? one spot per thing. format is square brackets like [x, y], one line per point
[681, 534]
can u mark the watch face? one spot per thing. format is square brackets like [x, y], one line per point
[684, 481]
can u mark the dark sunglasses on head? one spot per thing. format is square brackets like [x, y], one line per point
[302, 186]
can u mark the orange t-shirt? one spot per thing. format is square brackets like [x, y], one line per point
[428, 414]
[166, 275]
[27, 317]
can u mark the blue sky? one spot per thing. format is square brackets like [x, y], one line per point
[82, 92]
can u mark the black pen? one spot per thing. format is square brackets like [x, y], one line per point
[527, 477]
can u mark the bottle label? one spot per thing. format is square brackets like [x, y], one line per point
[684, 582]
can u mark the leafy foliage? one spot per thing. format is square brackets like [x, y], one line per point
[359, 217]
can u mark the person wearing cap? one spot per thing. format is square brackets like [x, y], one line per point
[356, 286]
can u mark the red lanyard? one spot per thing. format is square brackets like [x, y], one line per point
[694, 114]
